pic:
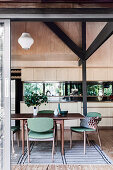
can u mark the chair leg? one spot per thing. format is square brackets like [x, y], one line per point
[99, 137]
[84, 142]
[87, 139]
[18, 138]
[12, 141]
[70, 139]
[56, 136]
[28, 149]
[53, 149]
[60, 133]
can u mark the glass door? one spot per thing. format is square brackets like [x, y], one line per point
[4, 94]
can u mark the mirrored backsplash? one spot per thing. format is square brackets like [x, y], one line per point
[70, 91]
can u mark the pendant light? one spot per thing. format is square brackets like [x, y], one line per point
[25, 40]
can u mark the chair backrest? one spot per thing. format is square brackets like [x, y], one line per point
[94, 114]
[90, 120]
[40, 124]
[46, 111]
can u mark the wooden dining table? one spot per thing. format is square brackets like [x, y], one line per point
[58, 119]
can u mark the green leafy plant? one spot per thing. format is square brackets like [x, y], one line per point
[34, 99]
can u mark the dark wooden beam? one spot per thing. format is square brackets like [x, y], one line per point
[77, 50]
[89, 11]
[18, 97]
[84, 83]
[106, 32]
[79, 1]
[58, 14]
[80, 62]
[54, 1]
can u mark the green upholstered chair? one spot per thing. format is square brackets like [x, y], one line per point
[46, 111]
[50, 111]
[14, 129]
[86, 127]
[39, 129]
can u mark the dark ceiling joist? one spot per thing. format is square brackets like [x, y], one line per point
[106, 32]
[77, 50]
[58, 14]
[88, 11]
[54, 1]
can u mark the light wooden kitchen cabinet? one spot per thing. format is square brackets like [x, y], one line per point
[44, 74]
[89, 75]
[66, 74]
[71, 107]
[105, 108]
[50, 74]
[97, 74]
[27, 74]
[100, 74]
[110, 74]
[62, 74]
[74, 74]
[39, 74]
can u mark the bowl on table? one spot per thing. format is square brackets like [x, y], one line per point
[63, 113]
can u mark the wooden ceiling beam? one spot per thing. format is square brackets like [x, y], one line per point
[88, 11]
[54, 1]
[58, 14]
[77, 50]
[106, 32]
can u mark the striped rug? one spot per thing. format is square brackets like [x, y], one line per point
[41, 154]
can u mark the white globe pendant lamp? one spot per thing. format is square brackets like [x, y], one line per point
[25, 41]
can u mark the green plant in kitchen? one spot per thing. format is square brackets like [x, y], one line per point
[34, 99]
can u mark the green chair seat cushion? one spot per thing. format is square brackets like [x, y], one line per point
[93, 114]
[15, 128]
[82, 129]
[40, 135]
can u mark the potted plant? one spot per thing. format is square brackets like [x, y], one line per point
[34, 99]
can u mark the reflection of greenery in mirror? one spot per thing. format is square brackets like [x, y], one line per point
[52, 89]
[94, 90]
[108, 91]
[62, 89]
[68, 88]
[55, 89]
[33, 87]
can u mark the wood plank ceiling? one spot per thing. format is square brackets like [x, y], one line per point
[47, 46]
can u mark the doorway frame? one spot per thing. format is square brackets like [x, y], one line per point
[43, 15]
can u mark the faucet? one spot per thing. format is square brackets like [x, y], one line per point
[48, 92]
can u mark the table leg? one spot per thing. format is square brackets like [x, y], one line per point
[61, 122]
[62, 129]
[22, 137]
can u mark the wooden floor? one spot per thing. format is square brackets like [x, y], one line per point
[62, 167]
[107, 146]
